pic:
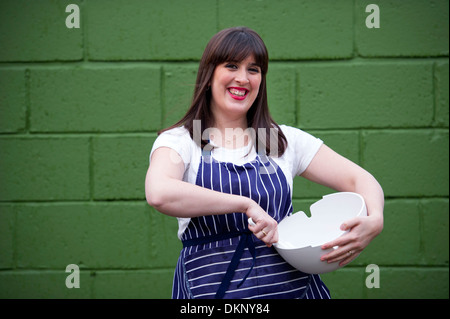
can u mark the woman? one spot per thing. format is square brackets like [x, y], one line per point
[226, 161]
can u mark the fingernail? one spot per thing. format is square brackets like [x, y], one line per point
[344, 227]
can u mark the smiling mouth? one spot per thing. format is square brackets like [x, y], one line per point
[238, 93]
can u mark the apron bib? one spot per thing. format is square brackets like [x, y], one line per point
[221, 258]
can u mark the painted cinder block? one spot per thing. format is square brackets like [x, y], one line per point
[121, 237]
[133, 284]
[95, 99]
[394, 282]
[149, 30]
[44, 168]
[77, 196]
[90, 235]
[344, 142]
[410, 283]
[441, 76]
[39, 284]
[178, 90]
[294, 29]
[179, 85]
[7, 226]
[399, 243]
[408, 162]
[12, 100]
[365, 94]
[36, 31]
[302, 205]
[435, 236]
[119, 165]
[281, 86]
[345, 283]
[415, 28]
[165, 246]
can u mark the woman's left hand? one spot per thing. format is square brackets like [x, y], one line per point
[362, 230]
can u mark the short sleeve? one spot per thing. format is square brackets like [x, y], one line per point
[177, 139]
[302, 147]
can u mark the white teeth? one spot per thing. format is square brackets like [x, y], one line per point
[237, 92]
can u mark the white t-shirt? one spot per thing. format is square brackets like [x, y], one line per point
[301, 149]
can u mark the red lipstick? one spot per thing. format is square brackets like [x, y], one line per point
[237, 93]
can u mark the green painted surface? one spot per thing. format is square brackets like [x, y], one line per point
[80, 108]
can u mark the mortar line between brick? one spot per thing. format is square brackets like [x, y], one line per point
[142, 200]
[381, 59]
[421, 229]
[217, 16]
[114, 201]
[296, 99]
[361, 148]
[83, 23]
[14, 257]
[355, 50]
[91, 169]
[435, 86]
[411, 267]
[90, 269]
[161, 95]
[88, 134]
[27, 100]
[51, 202]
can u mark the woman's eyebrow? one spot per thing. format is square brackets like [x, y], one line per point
[254, 64]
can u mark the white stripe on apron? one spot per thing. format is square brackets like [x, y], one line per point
[203, 263]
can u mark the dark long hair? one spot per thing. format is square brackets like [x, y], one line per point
[233, 45]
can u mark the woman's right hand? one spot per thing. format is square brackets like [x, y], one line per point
[265, 228]
[167, 193]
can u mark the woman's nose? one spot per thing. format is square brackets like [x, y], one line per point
[242, 78]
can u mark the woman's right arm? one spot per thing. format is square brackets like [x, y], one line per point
[165, 190]
[169, 194]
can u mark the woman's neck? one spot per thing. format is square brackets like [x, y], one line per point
[230, 134]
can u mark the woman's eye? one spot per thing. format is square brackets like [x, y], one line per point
[231, 66]
[254, 70]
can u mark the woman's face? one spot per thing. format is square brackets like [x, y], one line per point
[234, 88]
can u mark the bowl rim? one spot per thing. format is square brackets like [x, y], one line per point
[361, 210]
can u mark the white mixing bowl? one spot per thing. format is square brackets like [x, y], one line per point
[301, 237]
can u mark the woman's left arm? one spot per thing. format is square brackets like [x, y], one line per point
[335, 171]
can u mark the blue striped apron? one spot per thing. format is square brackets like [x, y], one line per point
[221, 258]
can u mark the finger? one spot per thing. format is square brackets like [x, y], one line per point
[264, 230]
[252, 226]
[265, 236]
[346, 237]
[267, 239]
[338, 242]
[255, 226]
[332, 256]
[275, 236]
[335, 253]
[349, 224]
[271, 238]
[349, 259]
[344, 256]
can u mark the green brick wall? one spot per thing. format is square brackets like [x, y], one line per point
[79, 111]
